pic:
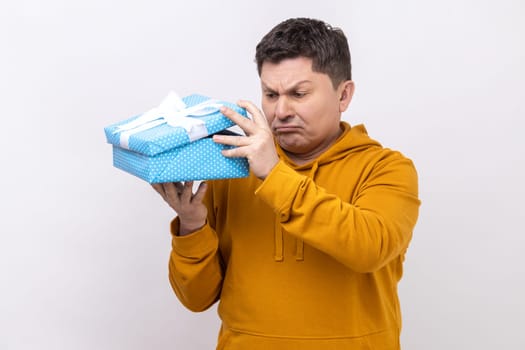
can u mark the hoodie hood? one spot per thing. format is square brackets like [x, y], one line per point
[352, 139]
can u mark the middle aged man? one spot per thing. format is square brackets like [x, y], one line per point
[306, 252]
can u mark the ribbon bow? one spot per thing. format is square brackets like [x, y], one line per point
[174, 112]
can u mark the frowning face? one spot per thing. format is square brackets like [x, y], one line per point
[302, 107]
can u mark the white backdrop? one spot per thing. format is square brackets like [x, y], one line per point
[84, 246]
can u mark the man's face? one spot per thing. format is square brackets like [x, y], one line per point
[302, 107]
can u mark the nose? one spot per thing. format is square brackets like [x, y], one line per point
[283, 109]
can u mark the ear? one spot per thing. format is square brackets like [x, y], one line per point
[345, 92]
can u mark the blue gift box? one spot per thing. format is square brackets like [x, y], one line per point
[165, 153]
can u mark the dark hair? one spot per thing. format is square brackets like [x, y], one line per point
[305, 37]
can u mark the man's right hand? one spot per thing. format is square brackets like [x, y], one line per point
[189, 207]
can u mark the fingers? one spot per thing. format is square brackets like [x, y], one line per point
[176, 193]
[258, 116]
[201, 191]
[235, 153]
[171, 191]
[244, 123]
[159, 189]
[186, 194]
[249, 126]
[237, 141]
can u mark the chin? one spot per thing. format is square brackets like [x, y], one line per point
[291, 147]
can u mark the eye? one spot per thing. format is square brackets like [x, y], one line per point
[270, 95]
[299, 94]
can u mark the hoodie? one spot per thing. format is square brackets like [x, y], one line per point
[309, 258]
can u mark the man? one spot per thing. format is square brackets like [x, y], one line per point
[306, 252]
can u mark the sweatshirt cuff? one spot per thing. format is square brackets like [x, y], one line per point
[195, 244]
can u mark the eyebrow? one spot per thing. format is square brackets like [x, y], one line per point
[287, 90]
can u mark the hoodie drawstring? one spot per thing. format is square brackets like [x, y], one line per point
[299, 249]
[279, 249]
[299, 243]
[278, 231]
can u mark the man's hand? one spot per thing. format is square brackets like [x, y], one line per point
[189, 207]
[258, 144]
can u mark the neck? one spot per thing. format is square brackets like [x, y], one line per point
[307, 157]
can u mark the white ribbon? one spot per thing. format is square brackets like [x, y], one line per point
[174, 112]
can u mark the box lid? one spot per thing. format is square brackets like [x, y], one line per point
[164, 137]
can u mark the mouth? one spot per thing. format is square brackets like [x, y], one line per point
[285, 129]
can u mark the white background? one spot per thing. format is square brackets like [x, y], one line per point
[84, 246]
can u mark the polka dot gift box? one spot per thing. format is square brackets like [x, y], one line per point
[172, 142]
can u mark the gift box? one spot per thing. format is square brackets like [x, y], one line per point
[173, 142]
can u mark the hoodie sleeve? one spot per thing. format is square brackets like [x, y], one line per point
[364, 234]
[195, 269]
